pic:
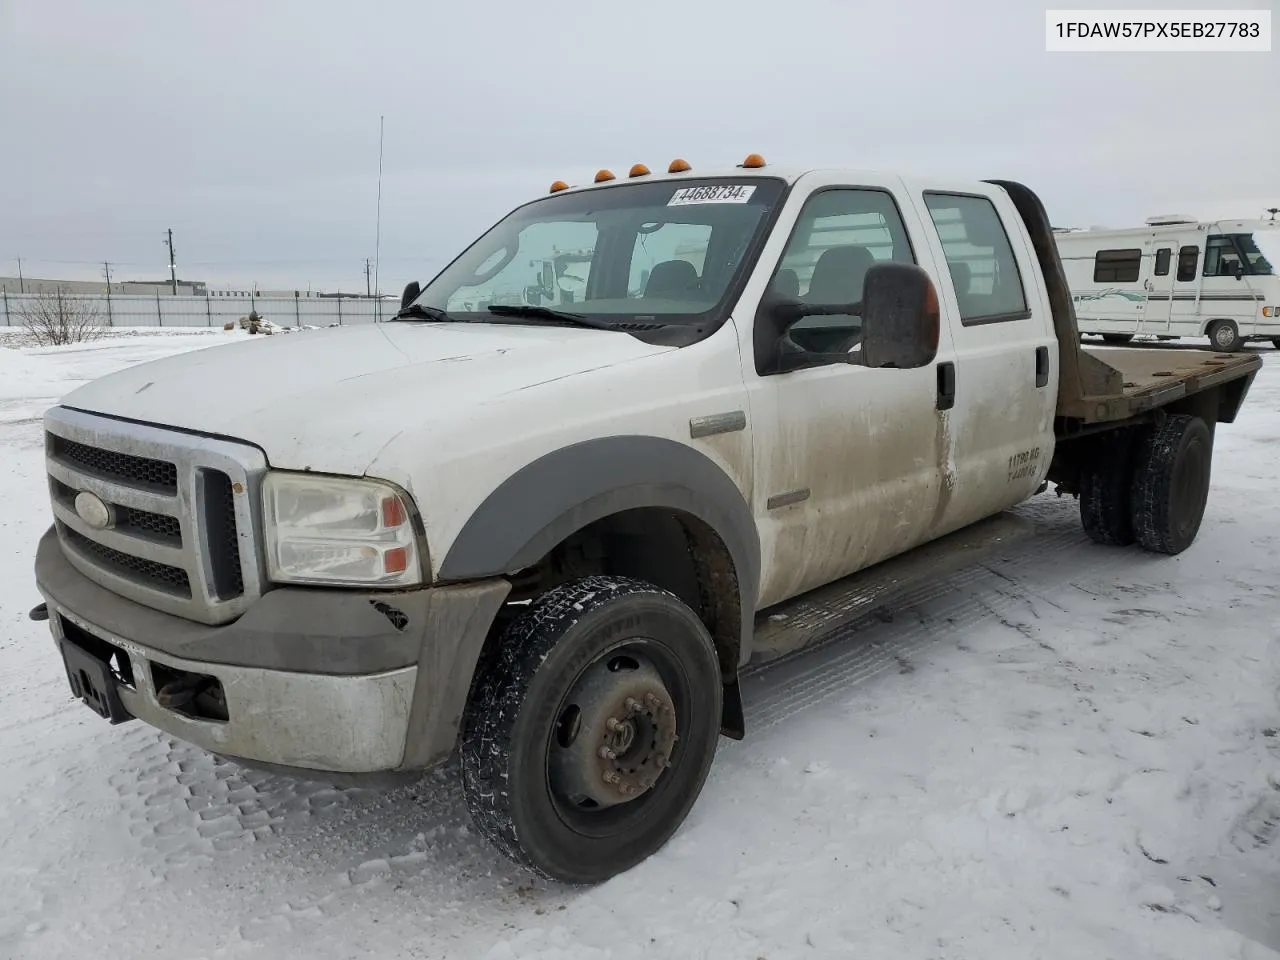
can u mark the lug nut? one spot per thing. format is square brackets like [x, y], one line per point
[613, 724]
[653, 701]
[661, 761]
[633, 705]
[611, 777]
[607, 754]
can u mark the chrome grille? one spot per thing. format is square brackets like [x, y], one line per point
[181, 536]
[121, 467]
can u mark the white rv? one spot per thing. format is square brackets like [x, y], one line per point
[1177, 277]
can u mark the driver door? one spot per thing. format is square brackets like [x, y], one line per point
[847, 458]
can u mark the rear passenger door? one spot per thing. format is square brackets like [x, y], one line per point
[1001, 428]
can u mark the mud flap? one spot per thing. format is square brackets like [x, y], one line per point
[733, 723]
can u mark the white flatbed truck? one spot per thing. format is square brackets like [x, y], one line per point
[546, 542]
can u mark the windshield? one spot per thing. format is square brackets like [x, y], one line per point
[1262, 251]
[668, 250]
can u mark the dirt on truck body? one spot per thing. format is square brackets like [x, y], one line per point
[542, 540]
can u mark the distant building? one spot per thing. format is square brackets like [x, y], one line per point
[186, 288]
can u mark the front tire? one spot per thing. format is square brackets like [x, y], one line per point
[1224, 335]
[1171, 484]
[590, 731]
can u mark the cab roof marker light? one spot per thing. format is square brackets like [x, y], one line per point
[558, 186]
[679, 166]
[639, 170]
[753, 161]
[603, 176]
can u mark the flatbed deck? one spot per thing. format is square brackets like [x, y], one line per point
[1142, 380]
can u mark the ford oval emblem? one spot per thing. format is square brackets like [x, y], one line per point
[91, 509]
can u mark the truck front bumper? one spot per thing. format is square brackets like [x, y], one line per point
[313, 680]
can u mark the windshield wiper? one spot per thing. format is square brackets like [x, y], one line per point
[546, 313]
[416, 311]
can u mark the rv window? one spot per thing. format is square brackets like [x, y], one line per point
[1163, 256]
[1188, 260]
[1221, 259]
[980, 258]
[1117, 266]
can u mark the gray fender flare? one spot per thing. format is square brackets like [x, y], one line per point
[563, 491]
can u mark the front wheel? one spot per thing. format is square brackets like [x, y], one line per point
[1225, 336]
[591, 729]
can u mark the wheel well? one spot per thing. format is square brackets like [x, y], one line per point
[668, 548]
[1208, 324]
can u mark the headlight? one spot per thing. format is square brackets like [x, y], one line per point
[335, 530]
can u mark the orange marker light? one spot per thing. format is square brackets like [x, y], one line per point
[639, 170]
[753, 160]
[604, 175]
[393, 512]
[396, 561]
[558, 186]
[679, 166]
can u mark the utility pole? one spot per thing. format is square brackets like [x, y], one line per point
[22, 284]
[377, 253]
[173, 271]
[106, 268]
[368, 290]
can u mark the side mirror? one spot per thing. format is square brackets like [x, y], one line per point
[412, 290]
[900, 317]
[1239, 271]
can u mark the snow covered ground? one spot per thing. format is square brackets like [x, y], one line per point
[1062, 752]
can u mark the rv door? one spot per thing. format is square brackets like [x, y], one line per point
[1159, 285]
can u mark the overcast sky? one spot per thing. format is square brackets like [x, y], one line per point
[251, 128]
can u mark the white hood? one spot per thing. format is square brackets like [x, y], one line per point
[330, 400]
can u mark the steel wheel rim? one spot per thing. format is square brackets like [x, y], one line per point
[565, 745]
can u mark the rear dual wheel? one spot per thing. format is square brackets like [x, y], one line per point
[1149, 485]
[591, 729]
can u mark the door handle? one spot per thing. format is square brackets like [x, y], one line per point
[946, 385]
[1042, 366]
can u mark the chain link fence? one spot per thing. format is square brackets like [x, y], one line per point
[130, 310]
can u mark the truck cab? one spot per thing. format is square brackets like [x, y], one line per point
[538, 537]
